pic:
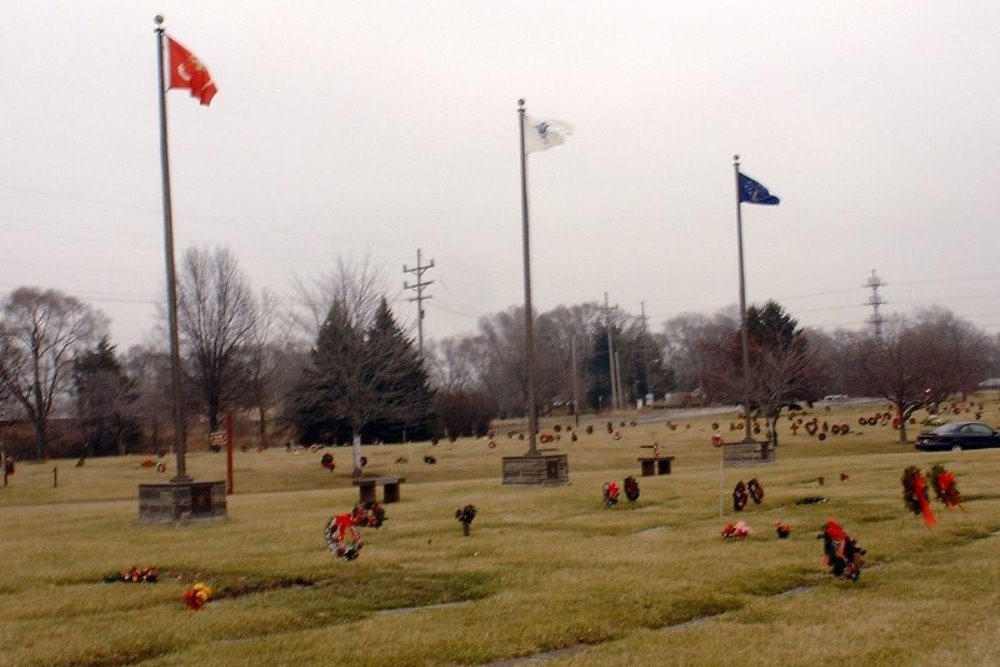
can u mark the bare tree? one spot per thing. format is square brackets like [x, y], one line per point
[454, 363]
[216, 316]
[692, 343]
[356, 286]
[905, 364]
[272, 358]
[967, 347]
[784, 366]
[41, 332]
[150, 368]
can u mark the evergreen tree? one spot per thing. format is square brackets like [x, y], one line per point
[362, 382]
[399, 381]
[105, 400]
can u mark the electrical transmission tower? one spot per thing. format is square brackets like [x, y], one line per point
[873, 283]
[418, 287]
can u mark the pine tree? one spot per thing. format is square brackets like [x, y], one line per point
[105, 400]
[362, 382]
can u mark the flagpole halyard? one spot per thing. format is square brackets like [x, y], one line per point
[168, 236]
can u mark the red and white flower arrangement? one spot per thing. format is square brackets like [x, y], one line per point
[740, 531]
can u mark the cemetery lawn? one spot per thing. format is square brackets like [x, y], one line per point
[546, 572]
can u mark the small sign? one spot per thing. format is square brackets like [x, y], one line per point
[217, 439]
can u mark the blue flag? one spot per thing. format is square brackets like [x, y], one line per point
[753, 192]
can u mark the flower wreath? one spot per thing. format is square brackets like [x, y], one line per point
[740, 496]
[756, 491]
[631, 488]
[611, 493]
[840, 553]
[943, 482]
[915, 495]
[327, 462]
[337, 531]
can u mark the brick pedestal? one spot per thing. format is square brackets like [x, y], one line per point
[541, 469]
[182, 502]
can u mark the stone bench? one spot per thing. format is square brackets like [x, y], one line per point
[390, 485]
[655, 465]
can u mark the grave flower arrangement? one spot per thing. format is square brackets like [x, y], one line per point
[740, 496]
[196, 596]
[611, 492]
[135, 575]
[943, 483]
[338, 530]
[841, 553]
[915, 495]
[783, 530]
[738, 531]
[368, 514]
[631, 488]
[465, 515]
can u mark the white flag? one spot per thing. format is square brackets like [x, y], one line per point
[541, 135]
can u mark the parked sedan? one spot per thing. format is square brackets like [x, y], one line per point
[958, 436]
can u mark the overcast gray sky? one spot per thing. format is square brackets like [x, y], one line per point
[354, 128]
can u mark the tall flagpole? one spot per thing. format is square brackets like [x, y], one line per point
[168, 234]
[529, 336]
[744, 336]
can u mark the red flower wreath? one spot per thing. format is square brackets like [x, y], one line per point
[841, 553]
[943, 482]
[915, 495]
[740, 496]
[611, 493]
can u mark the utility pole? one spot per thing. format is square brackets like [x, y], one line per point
[576, 383]
[618, 379]
[644, 349]
[418, 287]
[611, 355]
[873, 283]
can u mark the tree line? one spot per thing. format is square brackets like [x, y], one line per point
[335, 366]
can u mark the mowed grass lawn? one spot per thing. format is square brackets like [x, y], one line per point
[548, 573]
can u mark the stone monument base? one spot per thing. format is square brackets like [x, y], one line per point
[180, 502]
[747, 453]
[538, 469]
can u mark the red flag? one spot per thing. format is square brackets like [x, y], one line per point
[186, 71]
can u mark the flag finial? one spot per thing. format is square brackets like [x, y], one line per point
[158, 19]
[736, 160]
